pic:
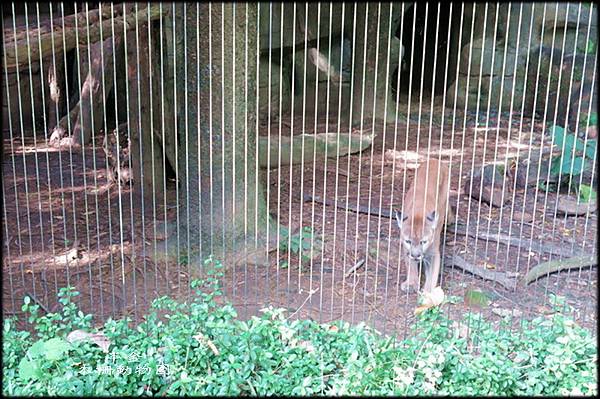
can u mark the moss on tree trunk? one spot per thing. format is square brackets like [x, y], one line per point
[222, 205]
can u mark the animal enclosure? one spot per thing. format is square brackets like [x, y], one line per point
[141, 139]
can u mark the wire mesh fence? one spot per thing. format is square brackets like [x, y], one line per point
[330, 155]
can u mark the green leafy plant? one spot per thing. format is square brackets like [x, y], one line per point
[546, 186]
[299, 244]
[199, 347]
[183, 259]
[586, 119]
[576, 154]
[590, 48]
[586, 193]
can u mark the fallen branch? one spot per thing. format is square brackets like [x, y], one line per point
[40, 46]
[354, 268]
[37, 301]
[545, 268]
[533, 246]
[82, 18]
[499, 277]
[310, 294]
[349, 207]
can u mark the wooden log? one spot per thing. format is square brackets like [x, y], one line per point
[91, 111]
[16, 54]
[79, 19]
[306, 147]
[487, 184]
[501, 278]
[147, 163]
[349, 206]
[164, 90]
[534, 245]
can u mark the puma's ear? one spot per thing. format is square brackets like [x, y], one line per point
[400, 218]
[432, 217]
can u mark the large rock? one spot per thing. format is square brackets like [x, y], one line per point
[554, 88]
[488, 184]
[273, 18]
[278, 29]
[583, 111]
[498, 93]
[482, 53]
[524, 30]
[333, 59]
[568, 23]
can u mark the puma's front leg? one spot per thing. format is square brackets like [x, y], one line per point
[432, 272]
[412, 276]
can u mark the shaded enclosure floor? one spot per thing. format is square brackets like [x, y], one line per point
[67, 203]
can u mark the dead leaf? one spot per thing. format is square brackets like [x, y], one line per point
[434, 298]
[430, 300]
[489, 266]
[205, 341]
[306, 345]
[98, 338]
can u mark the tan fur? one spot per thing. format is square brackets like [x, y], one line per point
[420, 228]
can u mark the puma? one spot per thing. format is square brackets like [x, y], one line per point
[421, 222]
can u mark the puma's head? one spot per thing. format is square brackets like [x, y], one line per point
[417, 233]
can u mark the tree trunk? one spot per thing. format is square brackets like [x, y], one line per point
[91, 112]
[373, 61]
[222, 206]
[165, 113]
[146, 156]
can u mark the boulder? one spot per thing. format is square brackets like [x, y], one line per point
[562, 83]
[486, 183]
[481, 54]
[523, 35]
[498, 93]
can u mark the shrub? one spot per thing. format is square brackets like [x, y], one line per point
[576, 157]
[201, 348]
[298, 244]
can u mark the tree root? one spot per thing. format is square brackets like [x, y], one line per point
[500, 277]
[545, 268]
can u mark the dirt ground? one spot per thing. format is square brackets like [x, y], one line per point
[67, 204]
